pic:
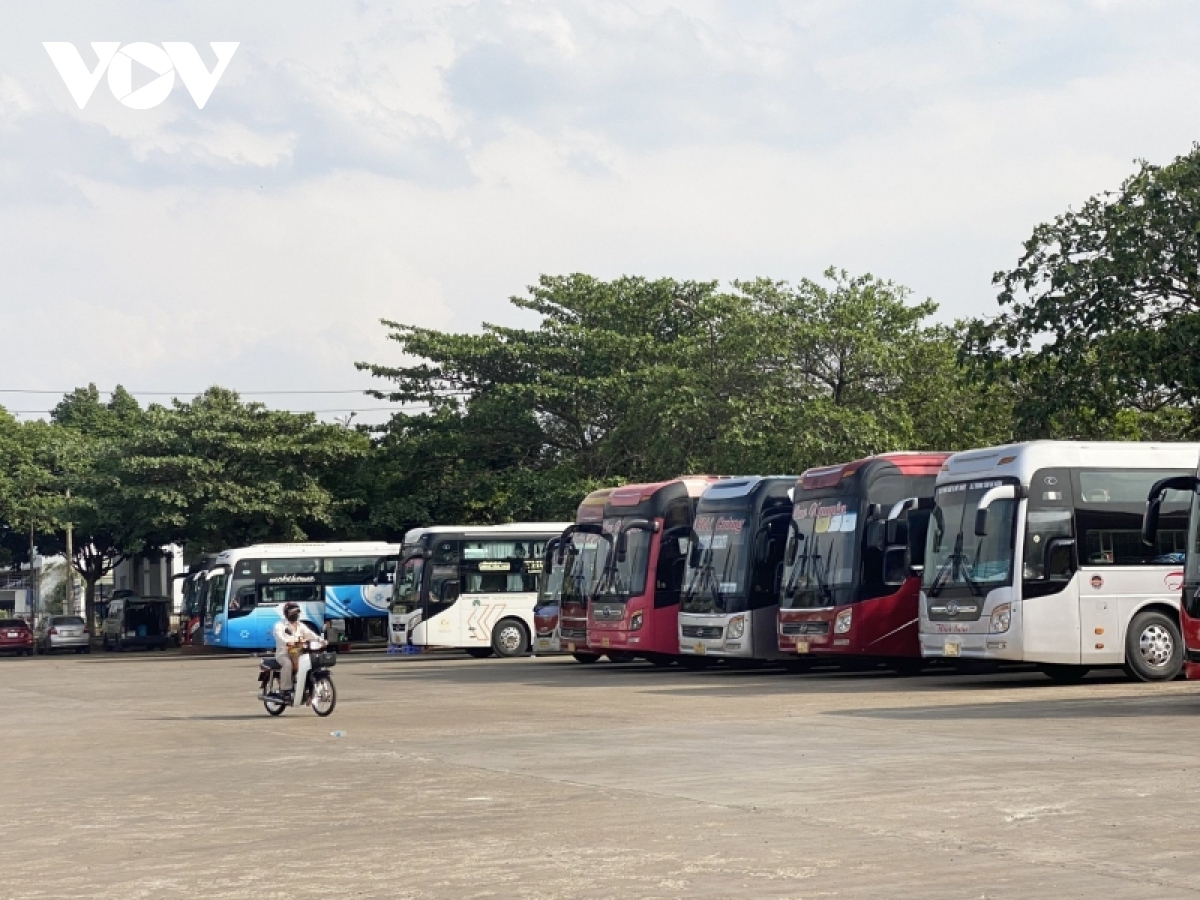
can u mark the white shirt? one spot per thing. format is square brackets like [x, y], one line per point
[287, 633]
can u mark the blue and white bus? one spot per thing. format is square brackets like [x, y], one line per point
[245, 589]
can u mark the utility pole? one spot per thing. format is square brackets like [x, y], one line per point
[70, 610]
[35, 607]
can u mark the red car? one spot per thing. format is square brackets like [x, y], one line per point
[16, 637]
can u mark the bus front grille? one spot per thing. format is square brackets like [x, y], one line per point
[804, 628]
[708, 632]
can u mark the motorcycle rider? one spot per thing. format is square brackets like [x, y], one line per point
[291, 638]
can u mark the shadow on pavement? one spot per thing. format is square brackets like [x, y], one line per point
[1168, 705]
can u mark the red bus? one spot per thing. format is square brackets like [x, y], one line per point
[573, 564]
[634, 609]
[849, 586]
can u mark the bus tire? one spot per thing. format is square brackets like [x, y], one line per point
[620, 656]
[480, 652]
[586, 658]
[1153, 647]
[1063, 674]
[509, 638]
[660, 660]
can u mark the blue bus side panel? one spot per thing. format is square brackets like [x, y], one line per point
[256, 631]
[356, 601]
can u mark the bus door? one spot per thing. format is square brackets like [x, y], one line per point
[440, 608]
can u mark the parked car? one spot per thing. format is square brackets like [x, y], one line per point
[15, 637]
[63, 633]
[137, 622]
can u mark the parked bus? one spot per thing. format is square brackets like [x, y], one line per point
[245, 589]
[1035, 554]
[634, 609]
[730, 593]
[847, 590]
[1164, 498]
[578, 561]
[191, 610]
[472, 588]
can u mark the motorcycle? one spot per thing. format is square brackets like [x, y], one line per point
[317, 691]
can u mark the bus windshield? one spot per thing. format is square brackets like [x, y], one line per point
[820, 553]
[955, 556]
[621, 579]
[406, 596]
[717, 569]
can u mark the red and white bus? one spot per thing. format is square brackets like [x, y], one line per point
[635, 607]
[574, 562]
[850, 588]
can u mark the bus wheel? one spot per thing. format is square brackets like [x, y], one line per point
[620, 657]
[1063, 674]
[509, 638]
[586, 658]
[480, 652]
[1153, 649]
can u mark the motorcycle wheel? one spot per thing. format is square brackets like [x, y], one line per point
[324, 696]
[274, 707]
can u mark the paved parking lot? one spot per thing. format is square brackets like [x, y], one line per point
[157, 775]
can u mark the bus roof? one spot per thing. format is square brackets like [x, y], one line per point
[329, 548]
[535, 528]
[634, 494]
[592, 507]
[907, 462]
[1023, 460]
[743, 486]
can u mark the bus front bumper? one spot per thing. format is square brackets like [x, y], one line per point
[701, 635]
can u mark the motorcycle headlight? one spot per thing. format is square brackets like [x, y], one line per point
[737, 627]
[635, 623]
[1001, 619]
[841, 624]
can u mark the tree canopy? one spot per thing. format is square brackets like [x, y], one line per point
[1100, 316]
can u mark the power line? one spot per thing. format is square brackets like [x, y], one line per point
[38, 412]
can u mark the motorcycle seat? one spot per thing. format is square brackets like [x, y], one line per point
[271, 663]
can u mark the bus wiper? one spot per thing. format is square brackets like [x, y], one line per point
[819, 572]
[935, 587]
[955, 566]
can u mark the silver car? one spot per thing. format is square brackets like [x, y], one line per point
[63, 633]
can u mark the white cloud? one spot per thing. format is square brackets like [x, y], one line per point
[427, 162]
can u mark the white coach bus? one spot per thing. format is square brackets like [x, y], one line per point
[1034, 554]
[472, 588]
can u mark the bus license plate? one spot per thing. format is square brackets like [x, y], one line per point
[801, 646]
[700, 649]
[570, 646]
[543, 643]
[604, 642]
[952, 649]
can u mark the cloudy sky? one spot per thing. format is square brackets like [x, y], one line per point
[424, 161]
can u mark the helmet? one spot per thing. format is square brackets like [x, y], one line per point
[291, 610]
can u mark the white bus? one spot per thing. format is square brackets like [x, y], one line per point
[244, 590]
[1034, 554]
[472, 588]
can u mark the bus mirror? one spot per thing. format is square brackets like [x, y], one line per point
[894, 570]
[916, 571]
[1189, 483]
[448, 591]
[1002, 492]
[918, 532]
[794, 544]
[892, 533]
[778, 579]
[878, 534]
[1059, 559]
[694, 556]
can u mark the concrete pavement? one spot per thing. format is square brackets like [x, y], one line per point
[153, 775]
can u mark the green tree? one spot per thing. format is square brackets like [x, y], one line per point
[1102, 313]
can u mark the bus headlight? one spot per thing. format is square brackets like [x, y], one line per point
[841, 624]
[1001, 619]
[737, 627]
[635, 623]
